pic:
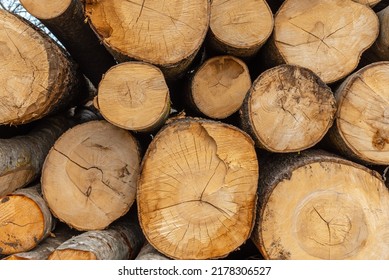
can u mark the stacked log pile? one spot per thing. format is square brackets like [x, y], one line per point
[195, 129]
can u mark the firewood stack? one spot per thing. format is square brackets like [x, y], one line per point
[193, 129]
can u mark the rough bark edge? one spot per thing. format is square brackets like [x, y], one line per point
[198, 120]
[246, 117]
[146, 129]
[121, 241]
[31, 148]
[171, 71]
[81, 42]
[285, 165]
[242, 52]
[273, 56]
[148, 252]
[87, 117]
[189, 99]
[335, 137]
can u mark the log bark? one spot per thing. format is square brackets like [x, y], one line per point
[25, 220]
[37, 77]
[22, 157]
[380, 49]
[65, 19]
[134, 96]
[122, 241]
[288, 109]
[89, 176]
[327, 37]
[218, 88]
[148, 252]
[370, 3]
[47, 246]
[239, 28]
[197, 190]
[314, 205]
[151, 31]
[361, 129]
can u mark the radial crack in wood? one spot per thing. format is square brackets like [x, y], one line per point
[239, 27]
[153, 31]
[25, 220]
[197, 189]
[89, 177]
[219, 87]
[134, 96]
[361, 128]
[328, 37]
[315, 205]
[38, 78]
[288, 109]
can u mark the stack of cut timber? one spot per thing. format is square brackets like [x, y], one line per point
[216, 126]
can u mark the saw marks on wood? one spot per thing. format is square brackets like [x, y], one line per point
[327, 36]
[197, 190]
[89, 177]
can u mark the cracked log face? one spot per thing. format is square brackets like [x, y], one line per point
[288, 109]
[89, 177]
[197, 191]
[25, 220]
[219, 87]
[239, 27]
[134, 96]
[36, 75]
[327, 36]
[322, 207]
[362, 120]
[153, 31]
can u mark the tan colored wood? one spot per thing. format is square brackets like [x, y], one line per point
[89, 176]
[22, 157]
[288, 109]
[148, 252]
[197, 190]
[380, 49]
[219, 86]
[361, 128]
[370, 3]
[120, 242]
[46, 247]
[239, 27]
[46, 9]
[326, 36]
[25, 220]
[134, 96]
[318, 206]
[161, 33]
[37, 77]
[66, 20]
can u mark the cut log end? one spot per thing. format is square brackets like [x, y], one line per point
[326, 209]
[362, 127]
[240, 28]
[151, 31]
[312, 34]
[134, 96]
[22, 224]
[288, 109]
[219, 87]
[46, 9]
[38, 78]
[197, 190]
[90, 174]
